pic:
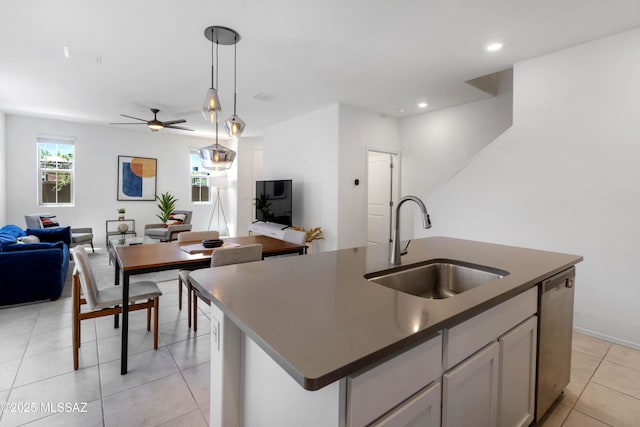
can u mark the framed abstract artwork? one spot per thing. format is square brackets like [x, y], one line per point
[137, 178]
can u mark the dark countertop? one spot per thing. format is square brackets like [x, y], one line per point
[321, 320]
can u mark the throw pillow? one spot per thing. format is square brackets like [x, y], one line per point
[57, 234]
[175, 219]
[28, 239]
[49, 221]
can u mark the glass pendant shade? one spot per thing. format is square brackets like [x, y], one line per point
[217, 157]
[211, 107]
[234, 125]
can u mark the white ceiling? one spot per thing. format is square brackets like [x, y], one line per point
[379, 55]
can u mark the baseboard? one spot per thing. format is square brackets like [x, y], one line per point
[605, 337]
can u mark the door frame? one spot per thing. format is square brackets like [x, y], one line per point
[395, 179]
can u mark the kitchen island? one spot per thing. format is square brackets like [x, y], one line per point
[290, 335]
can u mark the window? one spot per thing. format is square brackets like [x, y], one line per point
[199, 180]
[55, 171]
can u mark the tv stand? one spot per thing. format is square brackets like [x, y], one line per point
[278, 231]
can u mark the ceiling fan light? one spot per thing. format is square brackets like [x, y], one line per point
[155, 127]
[217, 157]
[235, 126]
[211, 106]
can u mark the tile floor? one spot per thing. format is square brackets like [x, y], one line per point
[170, 386]
[167, 387]
[604, 388]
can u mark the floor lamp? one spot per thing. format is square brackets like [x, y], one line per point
[218, 183]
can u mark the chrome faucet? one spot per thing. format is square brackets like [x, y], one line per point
[395, 245]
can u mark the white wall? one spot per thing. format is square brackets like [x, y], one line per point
[305, 149]
[246, 186]
[324, 152]
[360, 130]
[3, 166]
[435, 145]
[565, 177]
[96, 151]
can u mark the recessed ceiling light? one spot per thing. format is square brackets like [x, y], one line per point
[65, 50]
[422, 105]
[493, 47]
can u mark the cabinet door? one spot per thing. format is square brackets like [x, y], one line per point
[421, 410]
[517, 374]
[470, 391]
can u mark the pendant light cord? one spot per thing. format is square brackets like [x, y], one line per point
[217, 45]
[212, 74]
[235, 79]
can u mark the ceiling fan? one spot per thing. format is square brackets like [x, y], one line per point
[154, 124]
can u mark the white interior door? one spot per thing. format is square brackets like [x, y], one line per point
[380, 197]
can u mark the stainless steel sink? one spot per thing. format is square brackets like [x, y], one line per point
[438, 280]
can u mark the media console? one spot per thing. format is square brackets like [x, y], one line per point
[277, 232]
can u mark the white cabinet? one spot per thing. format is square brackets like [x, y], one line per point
[421, 410]
[496, 385]
[466, 338]
[470, 391]
[518, 375]
[372, 393]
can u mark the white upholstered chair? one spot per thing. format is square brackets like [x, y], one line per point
[183, 275]
[167, 233]
[106, 301]
[220, 257]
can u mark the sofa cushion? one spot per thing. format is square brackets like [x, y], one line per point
[16, 247]
[47, 221]
[56, 234]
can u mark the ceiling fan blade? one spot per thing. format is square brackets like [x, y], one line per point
[128, 123]
[174, 122]
[135, 118]
[177, 127]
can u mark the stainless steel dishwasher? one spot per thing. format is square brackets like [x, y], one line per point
[555, 331]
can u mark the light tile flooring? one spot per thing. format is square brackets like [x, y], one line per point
[170, 386]
[167, 387]
[604, 388]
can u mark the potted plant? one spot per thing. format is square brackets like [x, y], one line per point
[311, 235]
[121, 214]
[166, 204]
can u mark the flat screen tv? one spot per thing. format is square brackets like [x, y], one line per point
[274, 201]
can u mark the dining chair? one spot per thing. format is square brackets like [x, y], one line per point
[224, 256]
[183, 275]
[107, 301]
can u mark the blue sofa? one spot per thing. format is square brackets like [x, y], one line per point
[33, 271]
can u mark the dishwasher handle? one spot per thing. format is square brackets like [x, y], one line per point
[563, 279]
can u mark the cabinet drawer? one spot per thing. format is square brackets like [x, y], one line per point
[377, 390]
[471, 335]
[421, 410]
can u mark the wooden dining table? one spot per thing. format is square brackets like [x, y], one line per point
[146, 258]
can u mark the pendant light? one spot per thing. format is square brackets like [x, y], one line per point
[217, 157]
[234, 124]
[211, 107]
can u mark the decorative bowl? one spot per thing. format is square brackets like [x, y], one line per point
[215, 243]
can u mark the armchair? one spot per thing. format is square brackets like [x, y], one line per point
[167, 233]
[79, 236]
